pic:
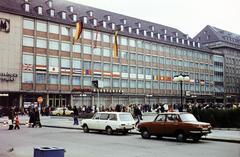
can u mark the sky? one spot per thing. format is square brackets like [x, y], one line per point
[188, 16]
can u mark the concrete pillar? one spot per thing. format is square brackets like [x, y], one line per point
[20, 100]
[47, 99]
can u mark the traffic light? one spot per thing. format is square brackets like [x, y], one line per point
[95, 83]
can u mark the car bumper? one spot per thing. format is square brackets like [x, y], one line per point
[202, 132]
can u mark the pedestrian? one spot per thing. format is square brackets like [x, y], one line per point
[37, 118]
[17, 123]
[31, 118]
[75, 116]
[10, 118]
[138, 114]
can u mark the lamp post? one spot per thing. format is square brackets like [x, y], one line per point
[181, 78]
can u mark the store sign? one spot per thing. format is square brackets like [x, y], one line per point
[4, 25]
[8, 76]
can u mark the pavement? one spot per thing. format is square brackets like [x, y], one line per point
[218, 134]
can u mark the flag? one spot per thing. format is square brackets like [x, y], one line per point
[97, 73]
[79, 28]
[41, 68]
[27, 67]
[77, 71]
[65, 71]
[115, 74]
[115, 48]
[53, 70]
[106, 73]
[202, 82]
[87, 72]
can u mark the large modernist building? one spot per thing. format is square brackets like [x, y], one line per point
[227, 44]
[38, 58]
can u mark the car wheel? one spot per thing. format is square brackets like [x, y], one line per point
[196, 138]
[85, 128]
[58, 114]
[145, 134]
[109, 130]
[181, 137]
[159, 137]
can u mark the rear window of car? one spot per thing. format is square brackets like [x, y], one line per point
[125, 117]
[188, 118]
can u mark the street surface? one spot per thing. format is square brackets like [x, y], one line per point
[79, 144]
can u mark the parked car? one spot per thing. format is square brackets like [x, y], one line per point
[109, 122]
[181, 125]
[59, 111]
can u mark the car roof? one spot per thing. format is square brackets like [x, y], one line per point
[115, 112]
[178, 113]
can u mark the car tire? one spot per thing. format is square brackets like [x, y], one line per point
[145, 134]
[180, 136]
[85, 128]
[159, 137]
[58, 114]
[196, 138]
[109, 130]
[125, 132]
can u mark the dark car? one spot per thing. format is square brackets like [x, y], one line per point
[181, 125]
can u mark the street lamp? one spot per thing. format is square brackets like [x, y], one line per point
[181, 78]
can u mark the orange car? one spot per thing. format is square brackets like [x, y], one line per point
[181, 125]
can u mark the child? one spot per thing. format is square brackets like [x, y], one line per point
[17, 123]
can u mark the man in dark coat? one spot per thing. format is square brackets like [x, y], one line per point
[37, 118]
[75, 116]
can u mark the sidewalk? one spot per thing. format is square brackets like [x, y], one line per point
[219, 134]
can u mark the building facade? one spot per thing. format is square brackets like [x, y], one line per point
[38, 58]
[227, 44]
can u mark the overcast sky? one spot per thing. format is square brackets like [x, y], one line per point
[189, 16]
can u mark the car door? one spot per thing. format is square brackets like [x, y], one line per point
[171, 124]
[103, 122]
[94, 122]
[157, 127]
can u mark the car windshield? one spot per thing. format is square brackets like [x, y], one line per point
[126, 117]
[188, 118]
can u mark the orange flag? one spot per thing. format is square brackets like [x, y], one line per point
[79, 28]
[115, 48]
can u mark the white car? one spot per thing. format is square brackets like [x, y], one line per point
[109, 122]
[59, 111]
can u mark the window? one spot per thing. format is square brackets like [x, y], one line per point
[65, 80]
[140, 57]
[147, 46]
[161, 118]
[65, 63]
[124, 69]
[27, 59]
[132, 43]
[52, 12]
[65, 31]
[133, 70]
[53, 45]
[148, 58]
[132, 56]
[41, 27]
[65, 47]
[50, 4]
[139, 44]
[112, 117]
[28, 24]
[64, 15]
[124, 54]
[71, 9]
[27, 77]
[104, 116]
[115, 83]
[97, 66]
[155, 85]
[53, 29]
[148, 85]
[40, 10]
[76, 80]
[76, 64]
[97, 51]
[53, 79]
[41, 43]
[87, 34]
[28, 41]
[106, 53]
[40, 78]
[27, 7]
[140, 84]
[87, 49]
[97, 36]
[124, 83]
[115, 68]
[53, 61]
[124, 41]
[106, 82]
[87, 65]
[106, 38]
[132, 84]
[77, 48]
[154, 59]
[41, 60]
[74, 16]
[87, 81]
[148, 71]
[140, 70]
[106, 67]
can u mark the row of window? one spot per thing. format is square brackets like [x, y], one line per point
[107, 82]
[109, 38]
[78, 64]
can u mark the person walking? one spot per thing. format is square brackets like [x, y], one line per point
[37, 118]
[75, 116]
[138, 114]
[17, 123]
[10, 118]
[31, 117]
